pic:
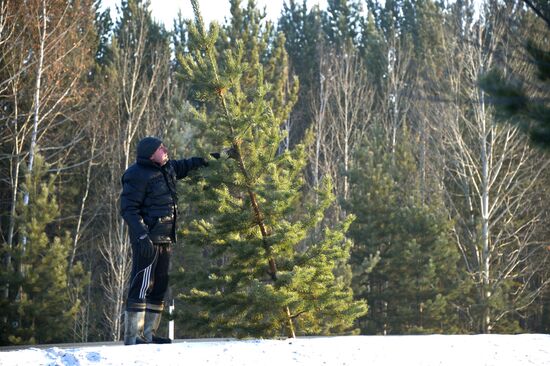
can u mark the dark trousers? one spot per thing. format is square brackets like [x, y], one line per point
[149, 280]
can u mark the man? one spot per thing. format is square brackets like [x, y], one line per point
[149, 206]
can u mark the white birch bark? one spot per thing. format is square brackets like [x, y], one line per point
[319, 105]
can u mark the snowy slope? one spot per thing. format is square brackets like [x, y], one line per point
[482, 350]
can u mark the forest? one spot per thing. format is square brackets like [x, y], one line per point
[393, 164]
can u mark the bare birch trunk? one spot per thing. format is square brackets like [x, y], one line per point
[36, 112]
[36, 116]
[493, 173]
[83, 201]
[113, 282]
[80, 326]
[348, 111]
[320, 119]
[484, 205]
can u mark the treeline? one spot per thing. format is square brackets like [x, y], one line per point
[377, 106]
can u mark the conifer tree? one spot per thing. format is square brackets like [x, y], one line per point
[373, 49]
[404, 262]
[268, 276]
[42, 311]
[304, 42]
[521, 97]
[342, 22]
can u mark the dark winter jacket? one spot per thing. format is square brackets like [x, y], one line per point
[148, 202]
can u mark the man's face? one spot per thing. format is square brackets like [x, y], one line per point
[160, 156]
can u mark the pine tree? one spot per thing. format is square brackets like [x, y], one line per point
[373, 50]
[341, 23]
[404, 262]
[521, 97]
[304, 43]
[269, 276]
[42, 311]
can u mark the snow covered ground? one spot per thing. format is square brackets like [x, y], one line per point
[446, 350]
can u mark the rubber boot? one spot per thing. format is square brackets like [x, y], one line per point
[152, 322]
[133, 326]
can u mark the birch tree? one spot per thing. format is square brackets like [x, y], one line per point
[492, 173]
[348, 111]
[342, 110]
[43, 64]
[319, 101]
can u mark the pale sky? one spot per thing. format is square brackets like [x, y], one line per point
[166, 10]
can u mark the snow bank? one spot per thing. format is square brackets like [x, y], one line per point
[449, 350]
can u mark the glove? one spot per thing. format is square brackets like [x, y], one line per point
[145, 247]
[228, 153]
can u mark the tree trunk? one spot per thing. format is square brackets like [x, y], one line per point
[82, 204]
[263, 229]
[258, 215]
[484, 205]
[36, 117]
[36, 112]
